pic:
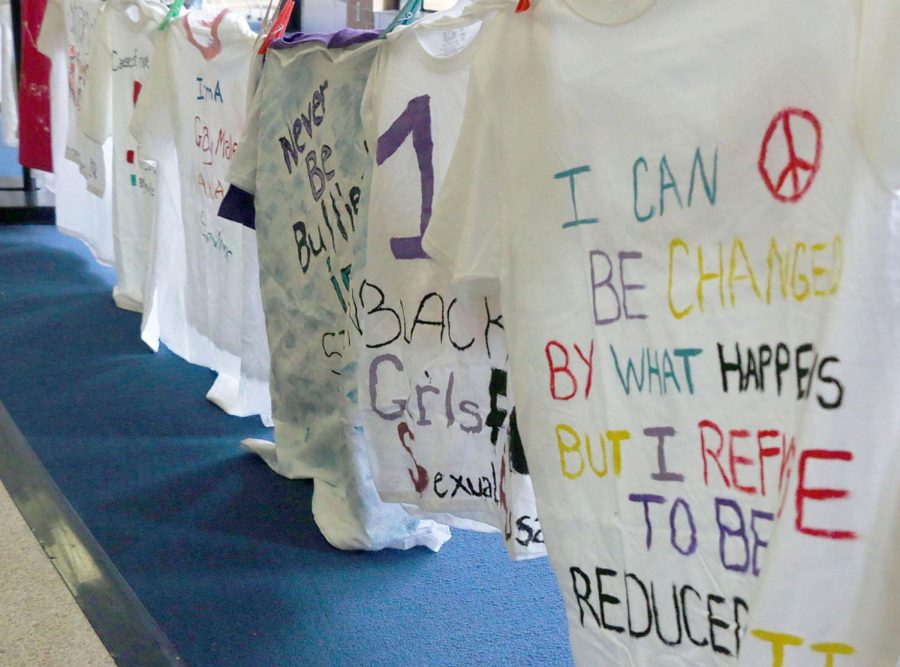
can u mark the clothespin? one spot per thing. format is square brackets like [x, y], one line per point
[405, 16]
[265, 23]
[174, 11]
[523, 6]
[279, 25]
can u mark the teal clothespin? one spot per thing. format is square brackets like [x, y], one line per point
[407, 14]
[174, 11]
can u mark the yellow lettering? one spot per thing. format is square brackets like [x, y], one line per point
[832, 649]
[733, 277]
[677, 314]
[565, 449]
[703, 277]
[783, 268]
[616, 438]
[599, 473]
[817, 270]
[794, 274]
[838, 262]
[779, 641]
[798, 270]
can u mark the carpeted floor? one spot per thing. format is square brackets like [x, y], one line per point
[222, 552]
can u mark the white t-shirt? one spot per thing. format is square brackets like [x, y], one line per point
[432, 364]
[9, 98]
[689, 210]
[120, 60]
[69, 24]
[305, 161]
[78, 213]
[193, 101]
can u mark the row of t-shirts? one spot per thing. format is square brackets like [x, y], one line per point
[307, 167]
[149, 207]
[9, 103]
[202, 296]
[388, 390]
[553, 244]
[690, 212]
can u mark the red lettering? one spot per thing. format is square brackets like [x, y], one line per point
[556, 369]
[589, 362]
[784, 475]
[705, 452]
[764, 453]
[735, 460]
[804, 493]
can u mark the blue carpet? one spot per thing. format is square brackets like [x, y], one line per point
[223, 553]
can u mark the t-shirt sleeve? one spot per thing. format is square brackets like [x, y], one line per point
[466, 228]
[242, 170]
[151, 125]
[238, 205]
[94, 117]
[53, 30]
[368, 107]
[879, 88]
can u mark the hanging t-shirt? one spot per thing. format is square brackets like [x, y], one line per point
[78, 213]
[75, 19]
[254, 344]
[9, 104]
[194, 100]
[35, 145]
[689, 210]
[305, 160]
[432, 365]
[119, 62]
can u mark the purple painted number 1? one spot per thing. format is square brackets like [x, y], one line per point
[415, 120]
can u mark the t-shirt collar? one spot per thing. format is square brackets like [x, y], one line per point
[212, 49]
[609, 12]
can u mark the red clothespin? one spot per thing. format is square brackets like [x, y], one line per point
[279, 25]
[523, 6]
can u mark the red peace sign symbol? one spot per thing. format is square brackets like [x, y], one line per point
[797, 174]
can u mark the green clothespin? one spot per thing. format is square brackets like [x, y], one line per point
[407, 14]
[174, 11]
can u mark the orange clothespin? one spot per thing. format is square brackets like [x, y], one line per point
[279, 25]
